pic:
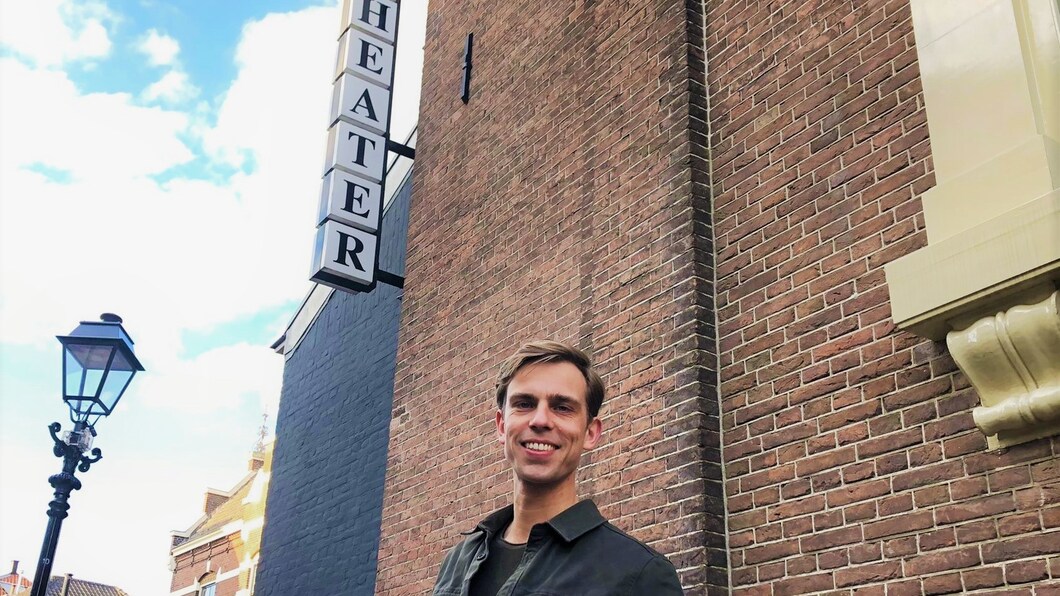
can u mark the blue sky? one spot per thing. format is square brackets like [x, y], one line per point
[160, 160]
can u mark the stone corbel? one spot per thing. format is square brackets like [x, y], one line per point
[1013, 359]
[987, 280]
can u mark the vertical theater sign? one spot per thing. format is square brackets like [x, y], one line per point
[345, 253]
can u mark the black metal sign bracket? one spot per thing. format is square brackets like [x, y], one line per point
[400, 149]
[390, 279]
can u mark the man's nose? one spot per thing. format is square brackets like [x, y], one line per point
[542, 417]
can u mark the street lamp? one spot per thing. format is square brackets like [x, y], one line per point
[98, 365]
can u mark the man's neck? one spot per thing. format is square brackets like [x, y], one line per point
[535, 504]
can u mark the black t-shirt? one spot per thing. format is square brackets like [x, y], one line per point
[504, 557]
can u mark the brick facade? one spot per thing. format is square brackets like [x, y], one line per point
[568, 200]
[222, 547]
[852, 463]
[703, 196]
[223, 553]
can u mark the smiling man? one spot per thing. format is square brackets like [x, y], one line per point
[547, 542]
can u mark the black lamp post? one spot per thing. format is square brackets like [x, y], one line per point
[98, 364]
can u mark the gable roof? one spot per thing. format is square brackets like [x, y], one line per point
[229, 511]
[12, 578]
[245, 501]
[80, 587]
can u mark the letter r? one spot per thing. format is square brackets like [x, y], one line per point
[346, 251]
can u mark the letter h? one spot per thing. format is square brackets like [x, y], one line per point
[367, 13]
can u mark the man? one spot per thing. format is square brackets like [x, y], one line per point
[546, 542]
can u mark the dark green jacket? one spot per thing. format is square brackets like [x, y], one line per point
[576, 553]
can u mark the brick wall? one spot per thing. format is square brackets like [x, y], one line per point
[221, 554]
[852, 463]
[569, 200]
[325, 496]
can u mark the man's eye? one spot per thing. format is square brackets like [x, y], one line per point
[522, 405]
[564, 408]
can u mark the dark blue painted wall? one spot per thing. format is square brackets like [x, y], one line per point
[325, 496]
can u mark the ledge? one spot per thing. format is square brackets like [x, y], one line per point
[981, 271]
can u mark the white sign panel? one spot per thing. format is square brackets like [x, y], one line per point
[351, 200]
[351, 195]
[374, 17]
[361, 102]
[346, 253]
[355, 150]
[365, 56]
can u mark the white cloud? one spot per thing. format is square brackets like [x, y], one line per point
[86, 227]
[277, 107]
[100, 136]
[219, 379]
[51, 32]
[174, 87]
[160, 49]
[185, 254]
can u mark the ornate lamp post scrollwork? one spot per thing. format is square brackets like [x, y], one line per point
[98, 365]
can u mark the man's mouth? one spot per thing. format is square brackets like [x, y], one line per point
[539, 446]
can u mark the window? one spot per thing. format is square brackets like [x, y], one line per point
[208, 581]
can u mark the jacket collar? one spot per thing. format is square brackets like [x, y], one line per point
[576, 520]
[497, 521]
[571, 524]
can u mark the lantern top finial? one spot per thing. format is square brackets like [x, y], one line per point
[109, 317]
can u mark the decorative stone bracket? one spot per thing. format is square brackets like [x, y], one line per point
[987, 280]
[1013, 359]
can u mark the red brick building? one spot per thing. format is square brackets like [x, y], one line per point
[812, 247]
[14, 582]
[218, 555]
[705, 196]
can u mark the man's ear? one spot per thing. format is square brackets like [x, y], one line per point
[500, 426]
[592, 433]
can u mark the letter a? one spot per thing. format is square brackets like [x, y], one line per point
[365, 102]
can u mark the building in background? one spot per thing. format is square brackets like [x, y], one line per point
[67, 585]
[14, 583]
[17, 584]
[218, 555]
[812, 247]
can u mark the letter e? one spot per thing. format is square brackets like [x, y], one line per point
[368, 55]
[355, 193]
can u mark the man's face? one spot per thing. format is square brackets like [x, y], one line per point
[545, 423]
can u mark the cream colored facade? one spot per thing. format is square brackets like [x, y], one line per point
[987, 280]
